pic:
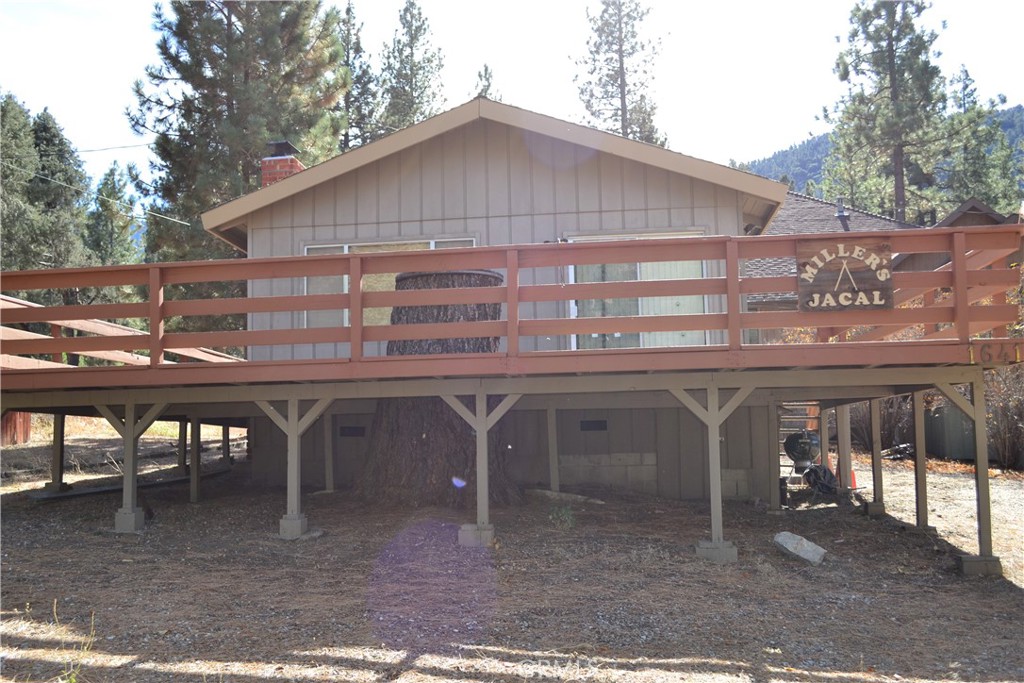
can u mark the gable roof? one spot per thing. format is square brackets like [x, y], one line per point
[763, 196]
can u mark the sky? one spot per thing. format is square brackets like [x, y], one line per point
[735, 80]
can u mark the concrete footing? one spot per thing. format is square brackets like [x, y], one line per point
[56, 487]
[476, 535]
[129, 521]
[293, 527]
[723, 552]
[873, 509]
[979, 565]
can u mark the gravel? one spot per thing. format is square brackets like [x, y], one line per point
[207, 592]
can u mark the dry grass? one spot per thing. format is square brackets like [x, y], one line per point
[208, 593]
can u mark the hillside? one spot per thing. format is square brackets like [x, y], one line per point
[802, 162]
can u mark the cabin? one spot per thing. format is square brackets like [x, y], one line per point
[630, 352]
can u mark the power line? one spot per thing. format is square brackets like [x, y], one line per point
[98, 196]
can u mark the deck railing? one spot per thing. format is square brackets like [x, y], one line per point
[946, 308]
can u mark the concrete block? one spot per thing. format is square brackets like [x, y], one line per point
[720, 553]
[627, 459]
[873, 509]
[800, 547]
[129, 521]
[650, 459]
[293, 526]
[979, 565]
[476, 535]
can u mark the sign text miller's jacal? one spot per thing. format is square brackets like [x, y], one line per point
[843, 274]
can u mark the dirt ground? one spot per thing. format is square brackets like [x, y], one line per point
[580, 591]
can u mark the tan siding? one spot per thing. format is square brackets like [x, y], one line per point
[475, 155]
[520, 182]
[454, 175]
[432, 179]
[411, 174]
[345, 201]
[367, 188]
[668, 446]
[693, 471]
[563, 165]
[497, 170]
[323, 205]
[543, 186]
[389, 194]
[302, 210]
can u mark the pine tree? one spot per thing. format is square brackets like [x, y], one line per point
[896, 97]
[411, 76]
[112, 226]
[361, 101]
[977, 157]
[618, 67]
[19, 162]
[232, 77]
[485, 85]
[59, 192]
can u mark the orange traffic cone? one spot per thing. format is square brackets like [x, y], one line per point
[853, 479]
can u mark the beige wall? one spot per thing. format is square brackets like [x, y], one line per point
[497, 184]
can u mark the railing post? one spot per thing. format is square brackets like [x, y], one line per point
[156, 317]
[512, 300]
[56, 331]
[961, 304]
[355, 307]
[732, 293]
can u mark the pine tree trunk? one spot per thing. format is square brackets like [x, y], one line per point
[421, 452]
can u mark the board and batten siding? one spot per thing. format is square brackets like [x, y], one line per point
[489, 181]
[659, 451]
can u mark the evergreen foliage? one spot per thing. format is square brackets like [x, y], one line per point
[485, 84]
[411, 74]
[887, 124]
[112, 227]
[232, 77]
[618, 71]
[361, 101]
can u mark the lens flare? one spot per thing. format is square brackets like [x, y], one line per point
[459, 483]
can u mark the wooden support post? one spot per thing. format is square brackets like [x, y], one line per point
[877, 504]
[182, 445]
[481, 533]
[774, 467]
[553, 470]
[715, 466]
[56, 483]
[920, 462]
[981, 469]
[984, 562]
[130, 518]
[294, 524]
[328, 426]
[483, 515]
[225, 444]
[196, 460]
[823, 433]
[717, 549]
[844, 447]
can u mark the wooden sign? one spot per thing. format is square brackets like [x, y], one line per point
[844, 273]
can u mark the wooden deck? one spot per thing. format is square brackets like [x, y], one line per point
[956, 315]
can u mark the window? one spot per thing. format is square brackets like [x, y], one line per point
[378, 282]
[662, 305]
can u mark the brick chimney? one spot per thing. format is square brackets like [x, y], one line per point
[281, 162]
